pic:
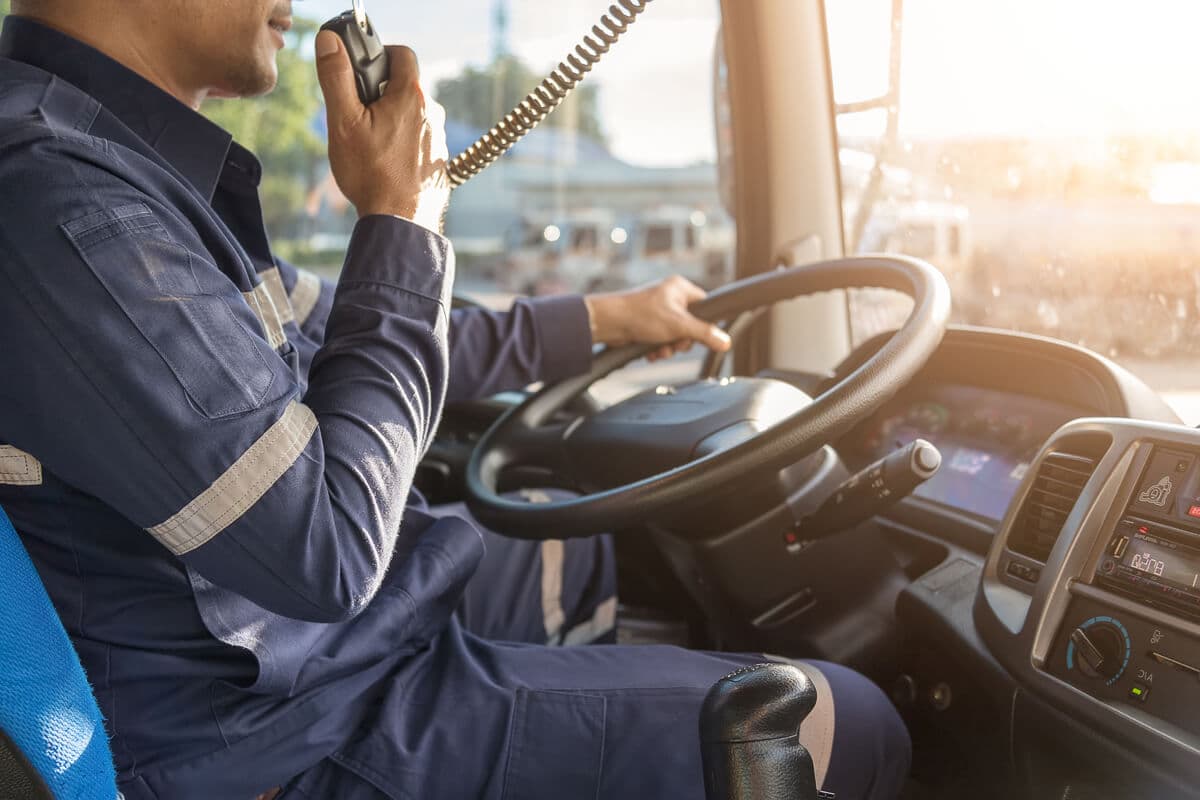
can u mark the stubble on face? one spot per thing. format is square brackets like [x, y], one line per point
[239, 49]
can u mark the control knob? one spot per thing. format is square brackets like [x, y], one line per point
[1100, 649]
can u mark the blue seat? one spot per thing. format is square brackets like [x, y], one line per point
[47, 709]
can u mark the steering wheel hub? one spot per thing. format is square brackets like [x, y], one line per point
[668, 426]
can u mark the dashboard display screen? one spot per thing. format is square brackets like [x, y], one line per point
[1163, 560]
[987, 438]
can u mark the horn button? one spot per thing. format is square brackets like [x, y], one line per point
[668, 426]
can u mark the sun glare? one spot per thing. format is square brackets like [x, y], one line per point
[1028, 67]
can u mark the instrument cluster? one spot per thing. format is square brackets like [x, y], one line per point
[987, 439]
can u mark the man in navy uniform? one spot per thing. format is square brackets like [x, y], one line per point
[209, 454]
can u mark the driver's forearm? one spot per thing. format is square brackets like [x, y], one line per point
[542, 339]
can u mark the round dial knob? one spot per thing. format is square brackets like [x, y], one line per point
[1099, 648]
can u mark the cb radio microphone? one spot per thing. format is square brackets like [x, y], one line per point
[367, 53]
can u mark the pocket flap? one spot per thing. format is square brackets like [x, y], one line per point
[557, 746]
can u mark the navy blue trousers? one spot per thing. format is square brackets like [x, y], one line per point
[488, 710]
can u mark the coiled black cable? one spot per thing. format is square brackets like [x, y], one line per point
[548, 95]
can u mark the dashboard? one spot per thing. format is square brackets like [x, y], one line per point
[988, 400]
[987, 438]
[1105, 623]
[1076, 597]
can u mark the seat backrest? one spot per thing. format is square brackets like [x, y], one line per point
[47, 709]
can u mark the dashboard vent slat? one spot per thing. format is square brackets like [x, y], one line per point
[1057, 485]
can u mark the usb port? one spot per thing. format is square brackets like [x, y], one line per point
[1119, 549]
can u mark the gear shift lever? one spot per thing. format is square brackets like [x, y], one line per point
[750, 735]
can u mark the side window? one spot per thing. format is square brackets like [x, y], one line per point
[590, 200]
[605, 192]
[584, 239]
[658, 240]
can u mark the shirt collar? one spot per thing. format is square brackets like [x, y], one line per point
[191, 143]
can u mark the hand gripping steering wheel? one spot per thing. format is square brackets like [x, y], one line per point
[658, 451]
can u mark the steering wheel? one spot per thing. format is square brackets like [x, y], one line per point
[654, 453]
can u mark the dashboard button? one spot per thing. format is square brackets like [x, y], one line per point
[1023, 571]
[1139, 692]
[927, 458]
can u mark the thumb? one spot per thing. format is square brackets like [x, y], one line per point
[337, 77]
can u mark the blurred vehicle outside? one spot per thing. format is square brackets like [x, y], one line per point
[679, 241]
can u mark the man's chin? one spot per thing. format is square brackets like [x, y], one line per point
[247, 85]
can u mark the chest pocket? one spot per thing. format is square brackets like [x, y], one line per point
[183, 307]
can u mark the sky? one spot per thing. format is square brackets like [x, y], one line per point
[1026, 68]
[657, 99]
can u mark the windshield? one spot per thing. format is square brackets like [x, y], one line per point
[1047, 159]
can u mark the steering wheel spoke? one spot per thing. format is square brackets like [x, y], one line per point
[540, 447]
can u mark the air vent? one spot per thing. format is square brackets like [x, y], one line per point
[1056, 487]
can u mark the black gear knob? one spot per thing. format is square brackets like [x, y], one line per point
[750, 735]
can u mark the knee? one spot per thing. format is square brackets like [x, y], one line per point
[872, 751]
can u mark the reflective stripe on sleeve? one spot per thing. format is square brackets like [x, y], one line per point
[273, 283]
[242, 485]
[271, 305]
[305, 295]
[18, 468]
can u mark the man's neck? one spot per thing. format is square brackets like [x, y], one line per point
[122, 43]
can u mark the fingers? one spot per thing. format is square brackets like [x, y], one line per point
[693, 328]
[403, 67]
[403, 92]
[691, 292]
[706, 334]
[669, 350]
[666, 351]
[337, 78]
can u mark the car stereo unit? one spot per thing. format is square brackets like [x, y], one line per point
[1154, 553]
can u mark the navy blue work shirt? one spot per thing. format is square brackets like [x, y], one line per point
[208, 453]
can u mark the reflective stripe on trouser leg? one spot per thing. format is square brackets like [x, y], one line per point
[554, 617]
[553, 560]
[603, 620]
[242, 485]
[553, 554]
